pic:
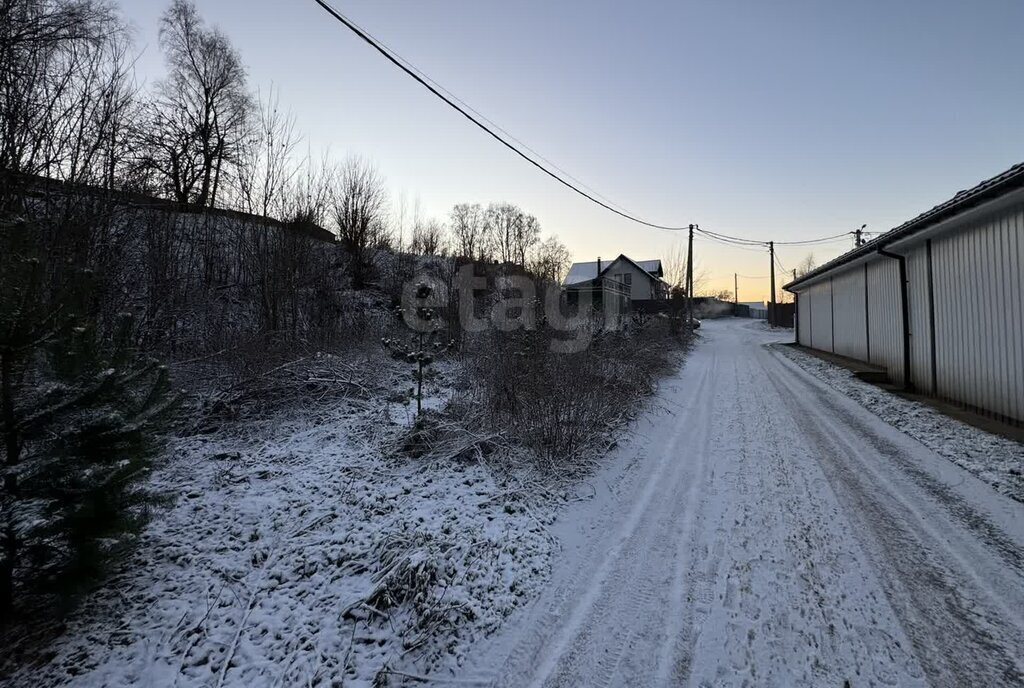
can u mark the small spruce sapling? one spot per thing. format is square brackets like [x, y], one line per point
[422, 347]
[78, 413]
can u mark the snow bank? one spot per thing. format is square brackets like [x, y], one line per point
[996, 460]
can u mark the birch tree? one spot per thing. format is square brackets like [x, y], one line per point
[199, 119]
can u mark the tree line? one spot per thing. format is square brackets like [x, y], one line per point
[72, 109]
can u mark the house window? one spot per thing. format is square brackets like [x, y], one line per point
[627, 279]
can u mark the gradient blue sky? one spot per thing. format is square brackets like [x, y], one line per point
[777, 120]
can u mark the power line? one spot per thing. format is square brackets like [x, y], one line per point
[737, 240]
[425, 82]
[800, 242]
[550, 169]
[808, 242]
[484, 117]
[784, 268]
[741, 247]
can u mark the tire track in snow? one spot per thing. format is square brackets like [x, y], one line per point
[787, 608]
[669, 666]
[627, 564]
[767, 534]
[961, 612]
[596, 622]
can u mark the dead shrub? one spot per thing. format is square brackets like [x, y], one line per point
[561, 405]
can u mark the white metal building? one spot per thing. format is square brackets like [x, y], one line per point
[937, 301]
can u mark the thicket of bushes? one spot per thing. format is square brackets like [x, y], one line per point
[556, 392]
[562, 406]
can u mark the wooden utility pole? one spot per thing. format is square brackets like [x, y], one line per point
[771, 308]
[796, 312]
[736, 288]
[689, 281]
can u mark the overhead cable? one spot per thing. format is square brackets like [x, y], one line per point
[535, 159]
[426, 83]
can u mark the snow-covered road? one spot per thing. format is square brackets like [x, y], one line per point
[763, 529]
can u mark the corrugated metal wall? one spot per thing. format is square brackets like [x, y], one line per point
[920, 319]
[821, 316]
[885, 316]
[851, 332]
[803, 319]
[974, 284]
[979, 315]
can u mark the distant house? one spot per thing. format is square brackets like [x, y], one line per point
[638, 280]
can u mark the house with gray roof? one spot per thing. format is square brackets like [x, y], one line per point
[639, 280]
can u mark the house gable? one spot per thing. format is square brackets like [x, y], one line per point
[643, 278]
[641, 283]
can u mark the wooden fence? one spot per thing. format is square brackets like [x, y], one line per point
[781, 314]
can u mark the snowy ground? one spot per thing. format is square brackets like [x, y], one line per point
[996, 460]
[290, 555]
[759, 526]
[766, 530]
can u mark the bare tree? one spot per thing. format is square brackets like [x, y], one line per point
[469, 231]
[360, 211]
[550, 260]
[266, 160]
[502, 219]
[674, 266]
[199, 120]
[115, 121]
[428, 238]
[382, 237]
[526, 236]
[65, 88]
[510, 232]
[806, 265]
[309, 195]
[399, 213]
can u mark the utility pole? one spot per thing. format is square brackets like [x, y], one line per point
[736, 288]
[689, 281]
[796, 312]
[771, 309]
[859, 236]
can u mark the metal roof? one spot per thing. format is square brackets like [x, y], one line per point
[987, 190]
[651, 266]
[584, 272]
[581, 272]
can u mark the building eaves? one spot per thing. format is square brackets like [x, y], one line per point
[987, 190]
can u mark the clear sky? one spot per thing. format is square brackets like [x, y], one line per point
[777, 120]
